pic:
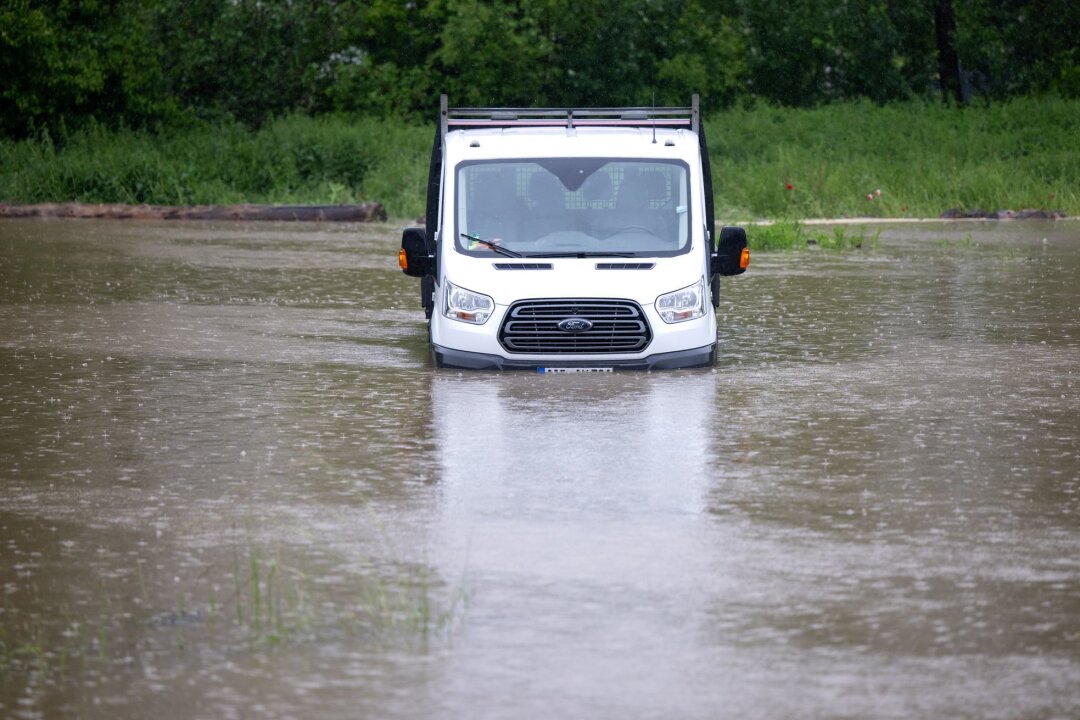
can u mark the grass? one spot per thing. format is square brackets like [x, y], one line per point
[256, 601]
[768, 162]
[293, 160]
[793, 235]
[924, 158]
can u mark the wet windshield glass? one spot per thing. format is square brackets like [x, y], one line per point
[571, 206]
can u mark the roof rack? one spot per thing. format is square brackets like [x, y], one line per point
[462, 118]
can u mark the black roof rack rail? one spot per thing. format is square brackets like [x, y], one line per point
[461, 118]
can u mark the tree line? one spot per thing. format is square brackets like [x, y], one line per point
[163, 63]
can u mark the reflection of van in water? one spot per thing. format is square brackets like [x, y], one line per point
[571, 240]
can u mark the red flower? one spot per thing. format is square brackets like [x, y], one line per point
[789, 186]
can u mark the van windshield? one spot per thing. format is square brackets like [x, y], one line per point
[552, 207]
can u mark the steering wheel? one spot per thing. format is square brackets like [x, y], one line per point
[627, 228]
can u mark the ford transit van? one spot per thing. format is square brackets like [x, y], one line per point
[571, 240]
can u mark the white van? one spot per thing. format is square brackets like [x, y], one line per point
[571, 240]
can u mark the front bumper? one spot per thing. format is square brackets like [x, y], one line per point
[693, 358]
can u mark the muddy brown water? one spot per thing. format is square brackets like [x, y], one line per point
[234, 487]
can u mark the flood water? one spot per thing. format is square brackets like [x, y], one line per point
[233, 486]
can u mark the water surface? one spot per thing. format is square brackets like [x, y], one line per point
[234, 486]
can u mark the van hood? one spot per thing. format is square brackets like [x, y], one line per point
[507, 280]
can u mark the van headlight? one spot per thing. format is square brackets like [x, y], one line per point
[467, 306]
[682, 305]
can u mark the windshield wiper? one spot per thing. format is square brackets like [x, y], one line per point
[497, 248]
[582, 255]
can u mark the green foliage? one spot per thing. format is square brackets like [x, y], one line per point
[804, 52]
[704, 54]
[66, 62]
[793, 235]
[489, 46]
[783, 235]
[1020, 47]
[290, 160]
[163, 63]
[925, 158]
[244, 59]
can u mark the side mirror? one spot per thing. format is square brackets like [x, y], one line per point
[732, 255]
[413, 257]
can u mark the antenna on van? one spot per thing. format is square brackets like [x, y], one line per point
[653, 116]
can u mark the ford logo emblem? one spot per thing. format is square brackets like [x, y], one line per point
[575, 325]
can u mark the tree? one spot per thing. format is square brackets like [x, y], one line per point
[246, 59]
[705, 53]
[1019, 47]
[65, 61]
[804, 52]
[949, 73]
[493, 54]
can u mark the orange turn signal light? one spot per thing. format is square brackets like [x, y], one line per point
[402, 259]
[744, 259]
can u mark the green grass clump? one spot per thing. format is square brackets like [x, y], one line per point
[792, 235]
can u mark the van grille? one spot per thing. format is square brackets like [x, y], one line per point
[625, 266]
[532, 326]
[523, 266]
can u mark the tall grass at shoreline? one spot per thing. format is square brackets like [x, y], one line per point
[293, 160]
[924, 158]
[767, 162]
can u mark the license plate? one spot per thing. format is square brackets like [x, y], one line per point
[575, 370]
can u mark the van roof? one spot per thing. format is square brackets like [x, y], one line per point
[489, 143]
[569, 118]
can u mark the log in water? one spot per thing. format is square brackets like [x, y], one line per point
[360, 212]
